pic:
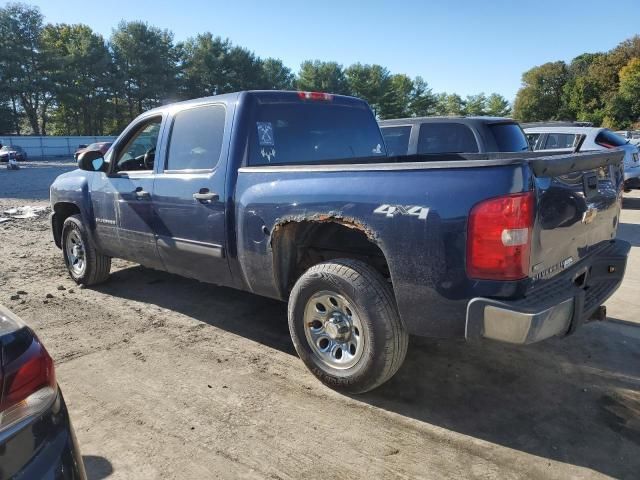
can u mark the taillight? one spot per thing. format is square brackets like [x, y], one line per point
[27, 377]
[318, 96]
[499, 237]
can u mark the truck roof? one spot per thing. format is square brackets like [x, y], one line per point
[235, 96]
[440, 119]
[563, 129]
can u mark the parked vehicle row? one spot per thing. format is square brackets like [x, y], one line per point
[12, 152]
[472, 135]
[584, 139]
[292, 195]
[101, 146]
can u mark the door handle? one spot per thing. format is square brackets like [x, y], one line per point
[204, 195]
[142, 194]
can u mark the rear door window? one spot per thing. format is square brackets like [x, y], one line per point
[509, 137]
[444, 137]
[532, 138]
[289, 132]
[397, 139]
[196, 138]
[559, 140]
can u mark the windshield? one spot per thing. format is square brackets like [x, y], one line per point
[303, 132]
[509, 137]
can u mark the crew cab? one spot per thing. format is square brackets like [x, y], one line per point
[292, 195]
[452, 135]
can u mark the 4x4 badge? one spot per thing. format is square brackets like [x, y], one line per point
[391, 211]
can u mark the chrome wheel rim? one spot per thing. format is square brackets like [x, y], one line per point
[334, 330]
[76, 256]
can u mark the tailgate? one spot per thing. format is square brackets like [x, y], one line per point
[578, 207]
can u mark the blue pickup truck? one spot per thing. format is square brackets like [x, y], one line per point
[292, 195]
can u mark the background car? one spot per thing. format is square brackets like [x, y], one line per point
[452, 135]
[102, 146]
[569, 138]
[36, 436]
[632, 136]
[11, 151]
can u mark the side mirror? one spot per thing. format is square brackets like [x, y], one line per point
[92, 161]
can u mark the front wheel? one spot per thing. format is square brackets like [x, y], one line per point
[345, 325]
[85, 264]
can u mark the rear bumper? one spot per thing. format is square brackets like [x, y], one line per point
[557, 308]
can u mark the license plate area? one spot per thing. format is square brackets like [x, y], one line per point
[590, 184]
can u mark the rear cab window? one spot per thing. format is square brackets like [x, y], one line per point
[532, 138]
[508, 137]
[286, 129]
[397, 139]
[446, 137]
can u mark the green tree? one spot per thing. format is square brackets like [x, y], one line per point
[541, 96]
[422, 102]
[449, 104]
[7, 122]
[371, 83]
[145, 62]
[497, 106]
[242, 70]
[626, 105]
[81, 75]
[581, 95]
[475, 104]
[23, 68]
[275, 76]
[322, 77]
[397, 99]
[203, 63]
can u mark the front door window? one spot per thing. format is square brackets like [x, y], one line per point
[138, 153]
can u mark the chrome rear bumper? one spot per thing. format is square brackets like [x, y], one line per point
[556, 308]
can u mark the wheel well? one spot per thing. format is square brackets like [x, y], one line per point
[299, 245]
[61, 211]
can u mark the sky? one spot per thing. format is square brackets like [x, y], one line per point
[462, 46]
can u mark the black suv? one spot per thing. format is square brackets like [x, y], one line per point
[452, 135]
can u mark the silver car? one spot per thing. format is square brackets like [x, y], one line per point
[575, 138]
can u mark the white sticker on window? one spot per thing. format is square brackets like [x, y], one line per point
[268, 153]
[265, 134]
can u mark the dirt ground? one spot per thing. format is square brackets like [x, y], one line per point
[170, 378]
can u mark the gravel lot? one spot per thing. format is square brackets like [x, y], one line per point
[170, 378]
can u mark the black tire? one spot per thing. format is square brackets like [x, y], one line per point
[386, 338]
[97, 266]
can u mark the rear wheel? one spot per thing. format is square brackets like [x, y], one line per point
[85, 264]
[345, 325]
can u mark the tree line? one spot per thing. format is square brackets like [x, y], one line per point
[61, 79]
[603, 88]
